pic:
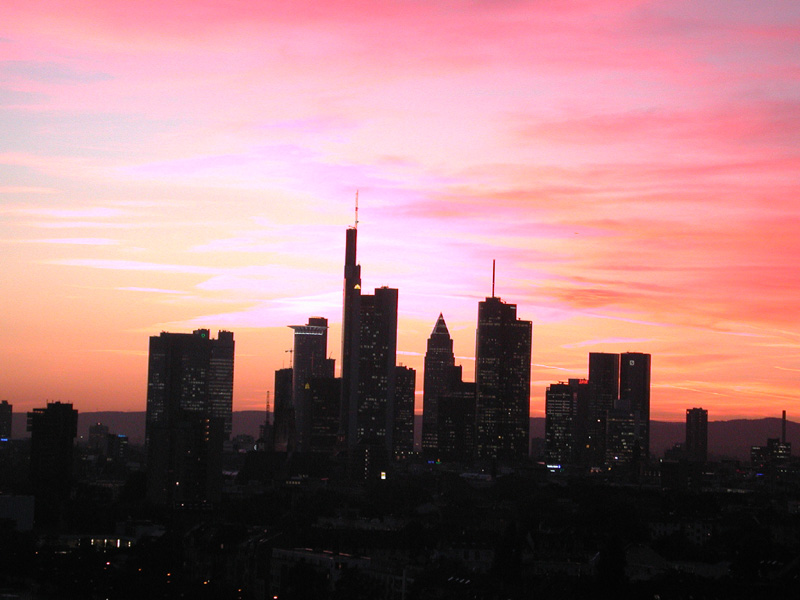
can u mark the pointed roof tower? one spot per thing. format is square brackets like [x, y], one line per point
[441, 327]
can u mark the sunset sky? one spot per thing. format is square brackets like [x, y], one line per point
[633, 167]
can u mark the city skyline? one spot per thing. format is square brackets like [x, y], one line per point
[632, 166]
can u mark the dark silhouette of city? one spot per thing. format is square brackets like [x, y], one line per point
[335, 497]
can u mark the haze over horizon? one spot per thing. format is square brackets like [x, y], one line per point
[632, 166]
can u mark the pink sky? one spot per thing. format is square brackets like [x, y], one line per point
[633, 166]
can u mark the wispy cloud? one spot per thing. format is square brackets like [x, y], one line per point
[131, 265]
[76, 241]
[607, 341]
[152, 290]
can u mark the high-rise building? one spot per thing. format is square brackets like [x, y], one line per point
[502, 379]
[351, 332]
[283, 430]
[6, 411]
[403, 418]
[559, 414]
[369, 351]
[324, 394]
[308, 361]
[53, 430]
[439, 359]
[696, 434]
[621, 444]
[456, 419]
[604, 376]
[189, 401]
[604, 382]
[634, 396]
[377, 355]
[567, 435]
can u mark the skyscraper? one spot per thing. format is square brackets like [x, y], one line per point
[309, 361]
[559, 416]
[502, 379]
[324, 395]
[6, 410]
[604, 383]
[604, 376]
[456, 419]
[53, 430]
[439, 359]
[377, 354]
[567, 438]
[369, 352]
[351, 331]
[283, 429]
[634, 396]
[189, 401]
[697, 434]
[403, 418]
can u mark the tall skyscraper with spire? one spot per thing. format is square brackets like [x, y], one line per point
[369, 353]
[439, 359]
[351, 330]
[503, 381]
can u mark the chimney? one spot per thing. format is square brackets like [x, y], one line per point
[783, 428]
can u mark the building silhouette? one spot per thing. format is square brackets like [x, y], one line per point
[6, 412]
[634, 396]
[53, 430]
[456, 419]
[351, 341]
[308, 361]
[567, 423]
[696, 446]
[377, 354]
[777, 450]
[622, 448]
[502, 379]
[604, 420]
[189, 399]
[604, 376]
[324, 394]
[439, 359]
[403, 417]
[283, 430]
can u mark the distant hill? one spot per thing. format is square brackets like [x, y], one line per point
[729, 439]
[132, 423]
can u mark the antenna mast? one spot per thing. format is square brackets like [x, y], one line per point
[356, 209]
[493, 278]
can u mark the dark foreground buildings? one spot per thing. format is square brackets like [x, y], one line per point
[189, 401]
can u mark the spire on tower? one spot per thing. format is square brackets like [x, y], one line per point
[356, 225]
[493, 278]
